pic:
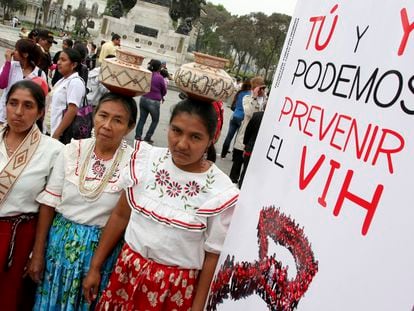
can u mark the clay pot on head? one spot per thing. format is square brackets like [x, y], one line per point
[125, 75]
[205, 79]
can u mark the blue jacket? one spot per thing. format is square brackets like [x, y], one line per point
[239, 111]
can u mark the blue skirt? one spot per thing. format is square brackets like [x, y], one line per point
[68, 256]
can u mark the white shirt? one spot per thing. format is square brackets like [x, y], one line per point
[66, 91]
[62, 190]
[16, 74]
[176, 215]
[22, 197]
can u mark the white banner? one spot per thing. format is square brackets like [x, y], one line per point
[325, 217]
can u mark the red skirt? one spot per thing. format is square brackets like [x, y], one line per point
[16, 243]
[137, 283]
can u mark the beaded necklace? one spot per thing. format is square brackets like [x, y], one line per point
[93, 193]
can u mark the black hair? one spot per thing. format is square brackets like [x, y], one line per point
[154, 65]
[115, 36]
[68, 42]
[75, 57]
[128, 102]
[206, 112]
[82, 49]
[35, 90]
[27, 46]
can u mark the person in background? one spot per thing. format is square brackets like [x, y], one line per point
[67, 94]
[15, 21]
[109, 48]
[150, 102]
[91, 58]
[83, 69]
[66, 44]
[238, 84]
[164, 72]
[237, 116]
[249, 140]
[20, 64]
[82, 191]
[176, 210]
[33, 35]
[98, 51]
[18, 206]
[251, 104]
[24, 33]
[45, 40]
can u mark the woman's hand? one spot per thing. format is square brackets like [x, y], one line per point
[8, 55]
[35, 268]
[91, 285]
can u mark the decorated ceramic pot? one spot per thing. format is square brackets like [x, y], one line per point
[205, 79]
[125, 75]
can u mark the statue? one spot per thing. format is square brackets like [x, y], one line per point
[117, 9]
[185, 27]
[186, 8]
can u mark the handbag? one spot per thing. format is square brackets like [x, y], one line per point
[82, 124]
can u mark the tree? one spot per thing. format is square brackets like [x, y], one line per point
[9, 6]
[238, 33]
[81, 24]
[45, 10]
[210, 38]
[270, 32]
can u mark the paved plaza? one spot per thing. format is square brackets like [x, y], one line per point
[9, 35]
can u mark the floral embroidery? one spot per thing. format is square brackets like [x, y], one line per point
[123, 294]
[98, 168]
[162, 177]
[192, 188]
[164, 295]
[178, 298]
[174, 189]
[163, 184]
[159, 275]
[189, 292]
[152, 298]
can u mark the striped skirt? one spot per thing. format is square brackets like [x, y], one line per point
[139, 284]
[68, 256]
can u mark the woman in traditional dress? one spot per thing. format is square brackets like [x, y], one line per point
[79, 197]
[176, 210]
[67, 94]
[21, 63]
[26, 160]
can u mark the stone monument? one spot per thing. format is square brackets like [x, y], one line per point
[148, 30]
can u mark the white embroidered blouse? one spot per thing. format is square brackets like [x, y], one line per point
[32, 181]
[176, 215]
[62, 190]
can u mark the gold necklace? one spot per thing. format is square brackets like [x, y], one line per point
[93, 193]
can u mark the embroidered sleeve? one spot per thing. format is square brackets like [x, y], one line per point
[217, 227]
[52, 195]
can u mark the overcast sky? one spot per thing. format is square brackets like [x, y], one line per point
[241, 7]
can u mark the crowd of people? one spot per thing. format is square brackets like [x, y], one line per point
[94, 223]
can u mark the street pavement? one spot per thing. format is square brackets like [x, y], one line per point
[9, 35]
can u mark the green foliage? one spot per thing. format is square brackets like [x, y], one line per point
[10, 6]
[252, 39]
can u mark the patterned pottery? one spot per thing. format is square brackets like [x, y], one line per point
[205, 79]
[125, 75]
